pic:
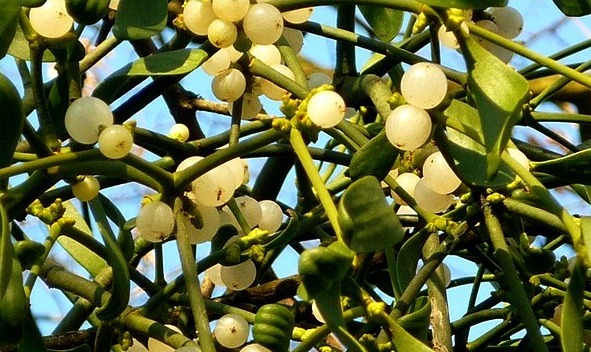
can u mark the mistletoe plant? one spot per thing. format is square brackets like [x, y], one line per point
[403, 132]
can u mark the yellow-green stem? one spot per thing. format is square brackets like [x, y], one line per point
[299, 147]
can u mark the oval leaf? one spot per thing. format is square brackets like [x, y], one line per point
[170, 63]
[499, 94]
[462, 145]
[466, 4]
[574, 7]
[130, 25]
[384, 22]
[368, 222]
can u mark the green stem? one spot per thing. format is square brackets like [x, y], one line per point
[235, 209]
[163, 177]
[557, 56]
[6, 250]
[475, 318]
[541, 193]
[534, 214]
[99, 52]
[55, 230]
[414, 287]
[321, 332]
[475, 287]
[373, 45]
[183, 178]
[56, 276]
[138, 324]
[49, 161]
[530, 54]
[555, 87]
[258, 68]
[409, 200]
[299, 147]
[345, 51]
[442, 335]
[45, 124]
[510, 275]
[292, 61]
[159, 265]
[196, 299]
[542, 116]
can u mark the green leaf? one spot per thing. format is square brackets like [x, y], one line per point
[408, 258]
[170, 63]
[89, 260]
[575, 167]
[384, 22]
[499, 93]
[416, 322]
[462, 145]
[404, 341]
[369, 224]
[30, 3]
[586, 233]
[572, 311]
[140, 19]
[466, 4]
[9, 14]
[322, 268]
[32, 338]
[6, 251]
[574, 7]
[365, 162]
[19, 48]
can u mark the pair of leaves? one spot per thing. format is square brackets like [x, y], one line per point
[476, 138]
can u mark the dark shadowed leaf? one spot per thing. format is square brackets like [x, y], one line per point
[30, 3]
[9, 13]
[574, 7]
[130, 25]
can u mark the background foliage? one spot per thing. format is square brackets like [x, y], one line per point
[356, 253]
